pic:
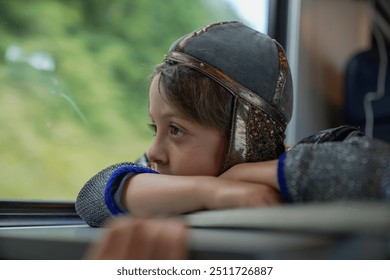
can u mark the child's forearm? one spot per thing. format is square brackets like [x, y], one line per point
[156, 195]
[163, 195]
[264, 173]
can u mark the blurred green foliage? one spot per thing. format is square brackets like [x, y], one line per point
[74, 83]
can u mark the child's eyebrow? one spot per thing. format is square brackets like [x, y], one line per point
[166, 115]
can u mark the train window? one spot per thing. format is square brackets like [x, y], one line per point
[74, 83]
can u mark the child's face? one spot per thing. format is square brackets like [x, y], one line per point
[182, 146]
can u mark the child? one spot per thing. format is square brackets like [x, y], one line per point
[222, 96]
[219, 105]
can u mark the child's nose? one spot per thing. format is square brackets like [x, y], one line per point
[157, 152]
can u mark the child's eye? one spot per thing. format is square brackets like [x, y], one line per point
[176, 132]
[153, 127]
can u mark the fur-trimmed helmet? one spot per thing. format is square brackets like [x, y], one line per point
[254, 69]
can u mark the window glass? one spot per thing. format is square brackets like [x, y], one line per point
[74, 83]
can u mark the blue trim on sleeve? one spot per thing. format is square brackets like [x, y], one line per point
[117, 194]
[282, 180]
[112, 183]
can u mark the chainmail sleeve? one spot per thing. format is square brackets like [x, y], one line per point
[90, 202]
[355, 169]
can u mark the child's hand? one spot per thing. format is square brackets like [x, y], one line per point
[141, 239]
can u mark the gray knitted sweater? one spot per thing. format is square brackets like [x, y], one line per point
[357, 168]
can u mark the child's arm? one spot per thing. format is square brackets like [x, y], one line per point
[155, 194]
[264, 173]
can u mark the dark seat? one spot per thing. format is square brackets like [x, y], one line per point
[360, 78]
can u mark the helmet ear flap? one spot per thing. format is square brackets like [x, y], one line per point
[254, 136]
